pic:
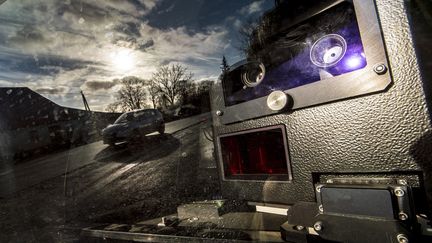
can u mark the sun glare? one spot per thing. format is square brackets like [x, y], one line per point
[123, 60]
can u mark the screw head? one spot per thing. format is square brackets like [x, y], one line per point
[318, 226]
[320, 208]
[401, 238]
[330, 181]
[403, 216]
[299, 227]
[399, 192]
[219, 113]
[318, 188]
[277, 100]
[380, 68]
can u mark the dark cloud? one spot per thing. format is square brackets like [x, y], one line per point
[133, 43]
[28, 34]
[99, 11]
[41, 64]
[12, 22]
[196, 14]
[129, 28]
[141, 5]
[97, 85]
[147, 44]
[50, 90]
[81, 9]
[166, 61]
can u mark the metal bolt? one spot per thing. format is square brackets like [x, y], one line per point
[380, 69]
[277, 100]
[318, 226]
[219, 113]
[402, 238]
[403, 216]
[399, 192]
[320, 208]
[318, 188]
[299, 227]
[402, 182]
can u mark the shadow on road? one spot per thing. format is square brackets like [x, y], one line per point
[151, 147]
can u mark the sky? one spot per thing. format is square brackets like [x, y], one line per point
[58, 48]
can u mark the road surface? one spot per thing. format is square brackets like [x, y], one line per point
[33, 172]
[121, 184]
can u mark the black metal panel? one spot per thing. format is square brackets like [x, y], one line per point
[360, 230]
[382, 132]
[368, 202]
[301, 81]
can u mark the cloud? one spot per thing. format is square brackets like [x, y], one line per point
[50, 90]
[27, 34]
[97, 85]
[129, 29]
[53, 44]
[9, 83]
[181, 45]
[134, 43]
[40, 64]
[252, 8]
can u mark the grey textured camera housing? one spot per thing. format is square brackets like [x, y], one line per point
[382, 132]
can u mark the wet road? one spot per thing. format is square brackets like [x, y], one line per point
[33, 172]
[122, 184]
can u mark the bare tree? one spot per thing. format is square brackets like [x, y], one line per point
[247, 35]
[255, 34]
[154, 92]
[205, 86]
[171, 82]
[114, 107]
[189, 91]
[132, 96]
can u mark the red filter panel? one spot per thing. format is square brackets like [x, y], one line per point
[255, 154]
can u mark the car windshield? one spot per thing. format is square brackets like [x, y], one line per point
[69, 69]
[137, 115]
[126, 117]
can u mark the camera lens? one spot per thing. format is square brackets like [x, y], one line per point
[328, 50]
[253, 74]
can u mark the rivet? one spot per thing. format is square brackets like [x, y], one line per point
[403, 216]
[299, 227]
[399, 192]
[380, 69]
[401, 238]
[318, 226]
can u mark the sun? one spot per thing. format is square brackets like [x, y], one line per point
[123, 60]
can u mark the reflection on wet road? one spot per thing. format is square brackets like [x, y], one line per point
[121, 184]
